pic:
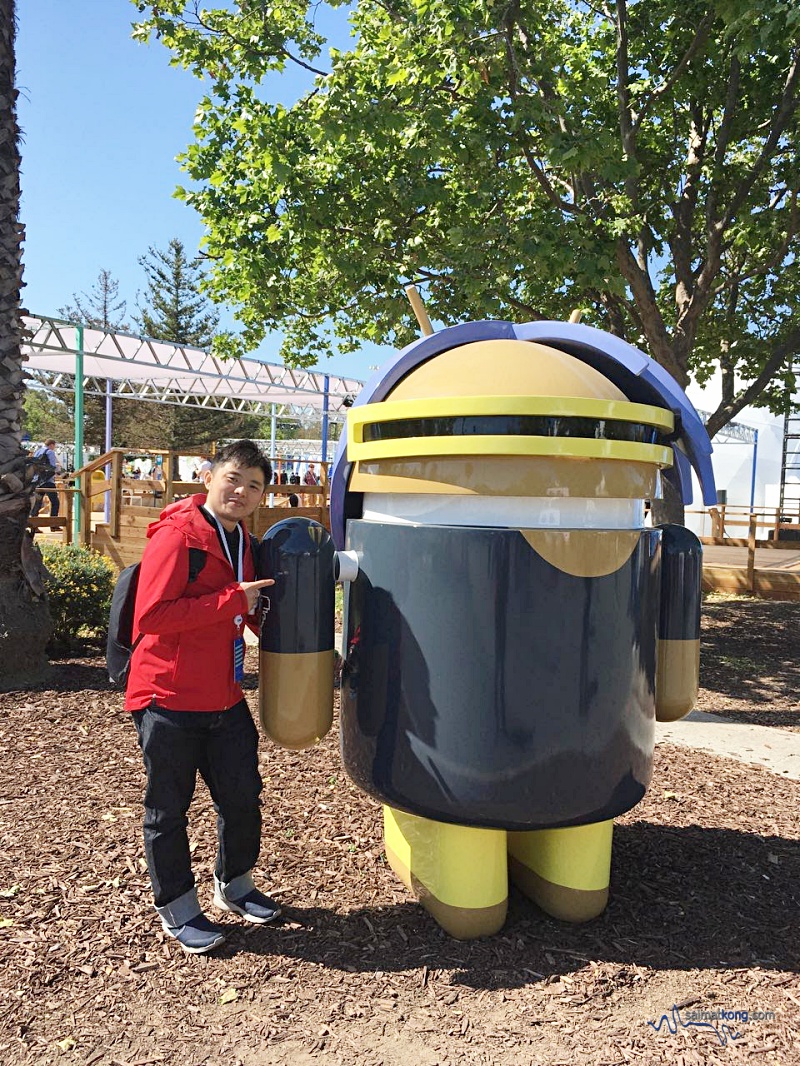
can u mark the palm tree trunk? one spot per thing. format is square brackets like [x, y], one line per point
[24, 618]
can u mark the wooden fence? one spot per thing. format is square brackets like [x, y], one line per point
[115, 510]
[764, 562]
[754, 552]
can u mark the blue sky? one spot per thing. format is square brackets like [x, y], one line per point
[103, 118]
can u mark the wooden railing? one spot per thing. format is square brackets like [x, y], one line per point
[64, 520]
[770, 525]
[136, 498]
[765, 528]
[88, 487]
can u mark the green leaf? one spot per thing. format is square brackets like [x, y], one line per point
[498, 153]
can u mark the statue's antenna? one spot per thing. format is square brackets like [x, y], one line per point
[418, 308]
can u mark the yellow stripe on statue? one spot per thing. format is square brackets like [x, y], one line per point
[566, 447]
[458, 865]
[576, 857]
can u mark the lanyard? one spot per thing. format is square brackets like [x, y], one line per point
[239, 572]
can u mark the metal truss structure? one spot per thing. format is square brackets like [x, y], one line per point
[732, 430]
[125, 366]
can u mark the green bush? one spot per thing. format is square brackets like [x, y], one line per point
[79, 591]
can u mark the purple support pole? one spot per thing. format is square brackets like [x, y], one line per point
[109, 418]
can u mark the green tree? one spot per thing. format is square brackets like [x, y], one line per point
[516, 160]
[46, 416]
[175, 310]
[134, 424]
[102, 307]
[24, 619]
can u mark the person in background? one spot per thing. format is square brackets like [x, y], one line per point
[294, 500]
[310, 476]
[157, 474]
[47, 479]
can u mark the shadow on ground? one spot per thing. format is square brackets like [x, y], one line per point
[681, 898]
[749, 653]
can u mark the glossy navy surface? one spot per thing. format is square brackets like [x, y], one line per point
[681, 584]
[298, 553]
[484, 686]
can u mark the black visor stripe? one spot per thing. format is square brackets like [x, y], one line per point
[516, 426]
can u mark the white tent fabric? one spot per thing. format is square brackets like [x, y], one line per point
[170, 373]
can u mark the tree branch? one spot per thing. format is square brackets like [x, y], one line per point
[728, 410]
[533, 164]
[777, 258]
[628, 129]
[703, 288]
[245, 45]
[623, 89]
[647, 306]
[784, 111]
[699, 39]
[722, 138]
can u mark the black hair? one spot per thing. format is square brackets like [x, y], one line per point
[294, 501]
[244, 453]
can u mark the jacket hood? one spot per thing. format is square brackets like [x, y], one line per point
[182, 513]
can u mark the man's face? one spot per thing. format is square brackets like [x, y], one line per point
[233, 492]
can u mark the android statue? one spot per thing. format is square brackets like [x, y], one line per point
[513, 626]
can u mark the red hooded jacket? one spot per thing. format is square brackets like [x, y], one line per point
[184, 661]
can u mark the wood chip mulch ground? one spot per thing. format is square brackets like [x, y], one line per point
[704, 911]
[749, 669]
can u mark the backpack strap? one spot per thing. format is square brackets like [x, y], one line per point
[197, 560]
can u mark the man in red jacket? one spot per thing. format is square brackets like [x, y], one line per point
[185, 696]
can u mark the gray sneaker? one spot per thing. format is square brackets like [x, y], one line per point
[240, 896]
[185, 922]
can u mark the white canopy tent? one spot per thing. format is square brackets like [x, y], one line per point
[64, 357]
[161, 372]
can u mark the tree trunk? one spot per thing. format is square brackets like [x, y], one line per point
[670, 509]
[24, 617]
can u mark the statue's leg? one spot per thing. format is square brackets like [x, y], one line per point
[565, 871]
[459, 874]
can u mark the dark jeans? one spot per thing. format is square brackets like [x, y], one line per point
[223, 747]
[39, 498]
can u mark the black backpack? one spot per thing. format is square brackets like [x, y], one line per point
[120, 642]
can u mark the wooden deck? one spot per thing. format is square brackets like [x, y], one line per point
[134, 503]
[765, 558]
[128, 547]
[774, 574]
[765, 563]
